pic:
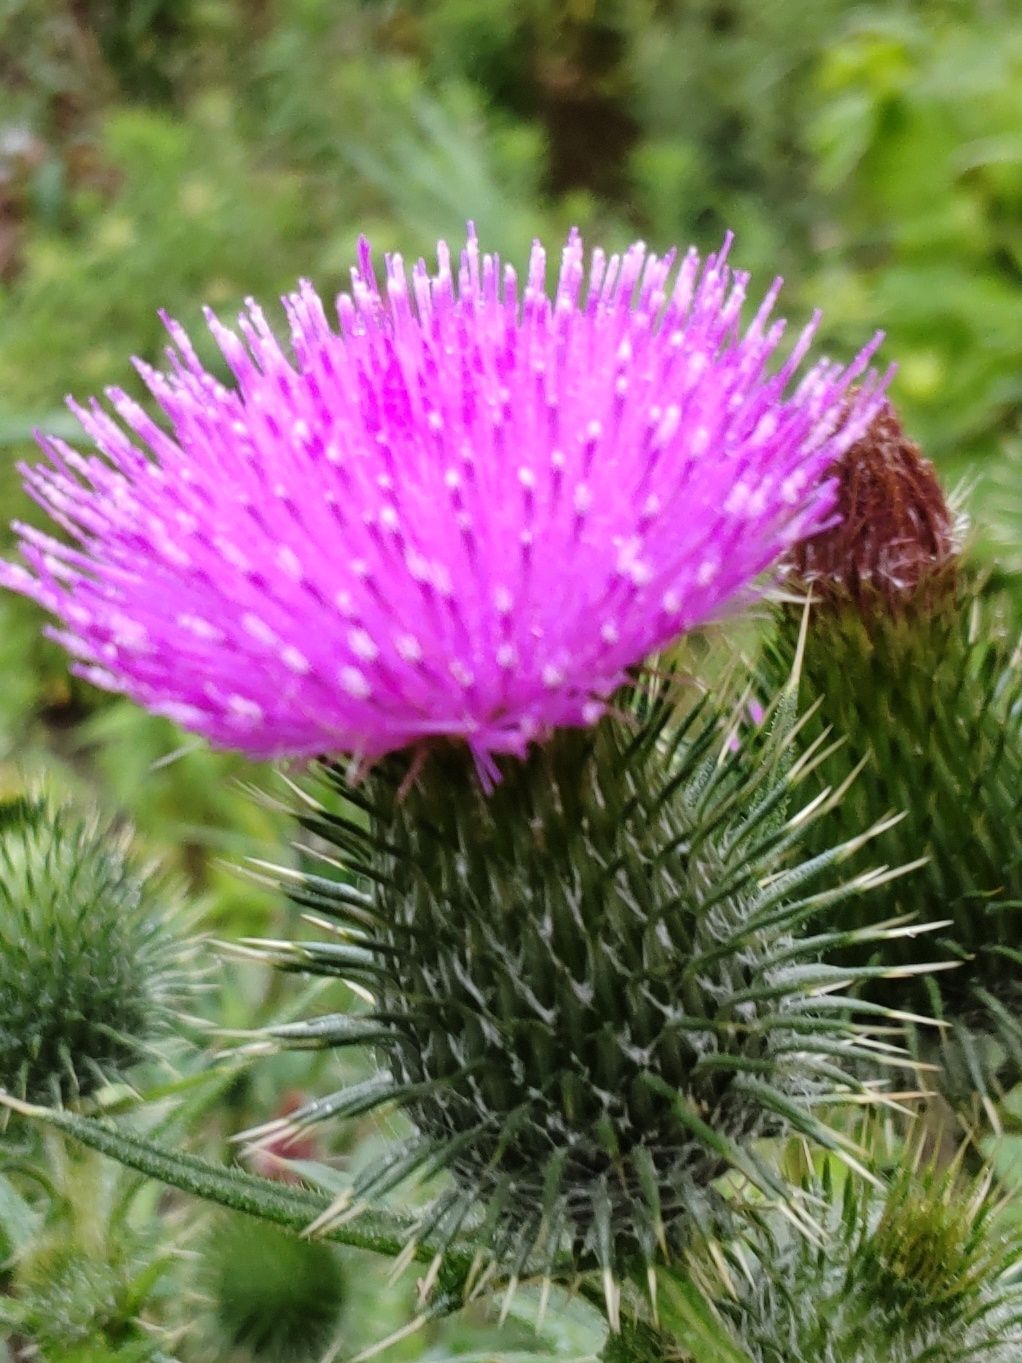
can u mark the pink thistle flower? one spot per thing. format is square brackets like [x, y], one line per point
[465, 510]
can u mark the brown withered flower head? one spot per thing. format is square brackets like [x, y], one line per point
[896, 541]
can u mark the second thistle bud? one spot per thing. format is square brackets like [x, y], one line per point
[91, 964]
[275, 1298]
[907, 666]
[924, 1270]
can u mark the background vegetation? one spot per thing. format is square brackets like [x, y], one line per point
[170, 153]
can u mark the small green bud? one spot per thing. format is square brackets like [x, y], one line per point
[921, 1272]
[276, 1298]
[72, 1304]
[91, 963]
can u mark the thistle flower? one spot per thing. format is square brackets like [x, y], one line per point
[91, 966]
[906, 664]
[590, 995]
[466, 512]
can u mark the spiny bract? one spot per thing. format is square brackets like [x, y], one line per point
[931, 700]
[591, 997]
[926, 1271]
[467, 512]
[91, 964]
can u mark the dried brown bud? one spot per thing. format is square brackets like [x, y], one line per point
[896, 537]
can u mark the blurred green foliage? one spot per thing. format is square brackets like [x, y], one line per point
[171, 153]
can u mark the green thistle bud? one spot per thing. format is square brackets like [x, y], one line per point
[71, 1305]
[903, 662]
[590, 996]
[276, 1299]
[91, 1269]
[90, 963]
[922, 1272]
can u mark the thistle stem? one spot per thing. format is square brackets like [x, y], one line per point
[286, 1206]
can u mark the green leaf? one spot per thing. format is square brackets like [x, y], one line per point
[19, 1223]
[687, 1315]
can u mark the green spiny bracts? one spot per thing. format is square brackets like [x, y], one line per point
[924, 1271]
[591, 994]
[905, 663]
[91, 964]
[931, 703]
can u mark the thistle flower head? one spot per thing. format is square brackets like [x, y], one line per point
[895, 533]
[90, 1283]
[90, 964]
[462, 508]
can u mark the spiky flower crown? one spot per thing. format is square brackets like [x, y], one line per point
[92, 964]
[591, 992]
[926, 1270]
